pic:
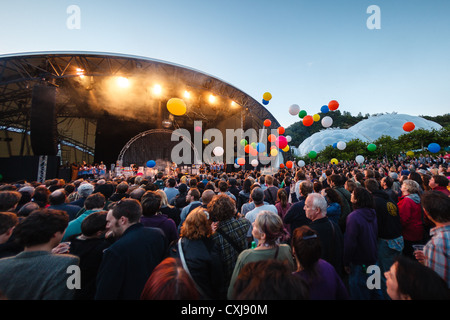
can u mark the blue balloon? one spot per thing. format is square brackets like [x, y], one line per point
[434, 147]
[335, 145]
[260, 147]
[265, 102]
[324, 109]
[151, 163]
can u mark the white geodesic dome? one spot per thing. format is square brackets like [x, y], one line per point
[390, 125]
[320, 140]
[367, 130]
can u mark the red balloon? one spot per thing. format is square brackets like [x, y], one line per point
[280, 130]
[272, 138]
[281, 142]
[308, 120]
[333, 105]
[267, 123]
[409, 126]
[281, 165]
[289, 164]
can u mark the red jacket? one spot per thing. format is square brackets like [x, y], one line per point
[410, 213]
[442, 189]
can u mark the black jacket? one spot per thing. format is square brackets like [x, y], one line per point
[388, 219]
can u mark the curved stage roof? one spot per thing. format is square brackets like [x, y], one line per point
[87, 88]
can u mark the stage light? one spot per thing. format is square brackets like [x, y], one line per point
[123, 82]
[157, 89]
[187, 94]
[233, 104]
[212, 98]
[80, 72]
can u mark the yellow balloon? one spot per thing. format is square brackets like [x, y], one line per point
[410, 154]
[286, 149]
[273, 152]
[267, 96]
[205, 141]
[176, 106]
[334, 161]
[316, 117]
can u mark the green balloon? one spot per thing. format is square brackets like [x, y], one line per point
[371, 147]
[244, 142]
[312, 154]
[1, 177]
[302, 113]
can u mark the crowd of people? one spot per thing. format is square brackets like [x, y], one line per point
[376, 231]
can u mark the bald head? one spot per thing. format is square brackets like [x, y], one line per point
[57, 197]
[207, 195]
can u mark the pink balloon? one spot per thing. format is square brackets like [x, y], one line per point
[281, 142]
[198, 129]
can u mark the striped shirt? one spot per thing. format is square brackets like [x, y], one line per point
[437, 252]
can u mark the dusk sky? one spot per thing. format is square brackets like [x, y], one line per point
[302, 52]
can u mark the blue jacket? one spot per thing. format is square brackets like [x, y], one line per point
[128, 263]
[334, 212]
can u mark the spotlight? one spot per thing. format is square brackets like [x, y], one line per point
[157, 89]
[212, 98]
[123, 82]
[187, 94]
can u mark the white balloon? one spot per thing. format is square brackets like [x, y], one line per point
[341, 145]
[236, 166]
[218, 151]
[301, 163]
[327, 121]
[288, 138]
[359, 159]
[254, 162]
[294, 109]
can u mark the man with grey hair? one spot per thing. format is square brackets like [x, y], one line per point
[295, 216]
[330, 235]
[84, 190]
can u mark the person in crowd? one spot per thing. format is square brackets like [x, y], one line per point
[170, 190]
[9, 199]
[411, 216]
[152, 217]
[330, 235]
[295, 217]
[58, 201]
[36, 273]
[387, 184]
[167, 209]
[170, 281]
[270, 193]
[390, 239]
[244, 195]
[409, 280]
[360, 245]
[89, 247]
[439, 183]
[270, 279]
[8, 221]
[283, 205]
[435, 254]
[334, 204]
[84, 190]
[335, 182]
[269, 231]
[129, 261]
[94, 202]
[321, 277]
[230, 234]
[192, 202]
[258, 196]
[200, 253]
[179, 201]
[41, 196]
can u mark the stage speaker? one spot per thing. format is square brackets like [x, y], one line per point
[43, 127]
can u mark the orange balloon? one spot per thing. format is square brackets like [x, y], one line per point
[272, 138]
[308, 120]
[247, 148]
[254, 152]
[408, 126]
[289, 164]
[267, 123]
[333, 105]
[241, 161]
[281, 165]
[280, 130]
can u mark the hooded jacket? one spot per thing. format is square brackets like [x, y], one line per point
[388, 219]
[410, 212]
[360, 238]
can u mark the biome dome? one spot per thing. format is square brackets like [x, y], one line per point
[367, 130]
